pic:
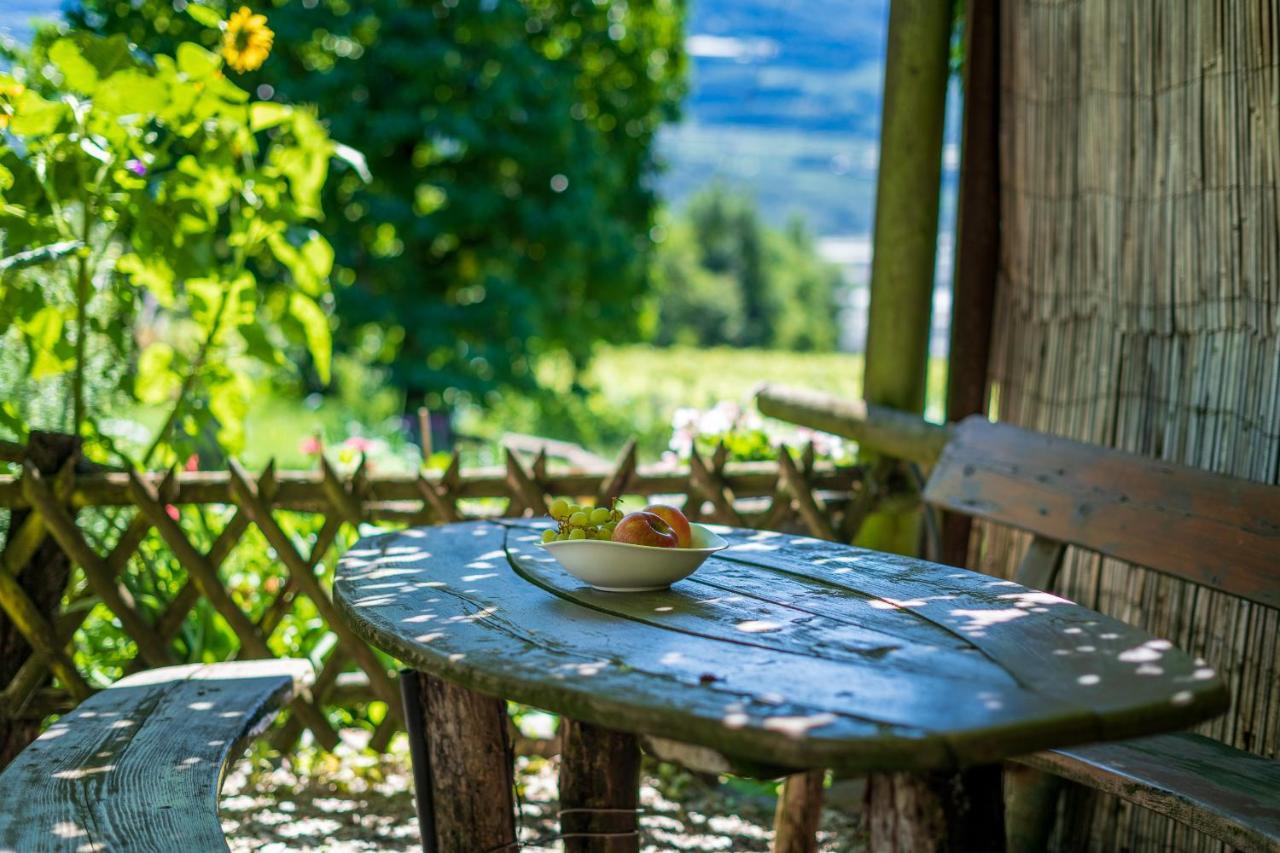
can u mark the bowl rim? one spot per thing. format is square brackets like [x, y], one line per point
[718, 543]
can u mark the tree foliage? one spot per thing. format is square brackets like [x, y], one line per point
[153, 189]
[509, 144]
[725, 278]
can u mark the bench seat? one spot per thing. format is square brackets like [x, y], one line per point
[1203, 783]
[138, 766]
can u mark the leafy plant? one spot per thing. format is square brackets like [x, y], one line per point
[190, 209]
[510, 148]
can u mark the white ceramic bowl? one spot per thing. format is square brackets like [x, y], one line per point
[623, 567]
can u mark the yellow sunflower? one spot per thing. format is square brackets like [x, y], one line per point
[247, 40]
[9, 92]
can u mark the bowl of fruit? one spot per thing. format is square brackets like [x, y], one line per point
[628, 552]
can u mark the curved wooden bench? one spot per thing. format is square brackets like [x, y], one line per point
[1216, 531]
[138, 766]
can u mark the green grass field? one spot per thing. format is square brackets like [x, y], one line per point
[632, 390]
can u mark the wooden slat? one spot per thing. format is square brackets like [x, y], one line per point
[205, 575]
[1045, 642]
[114, 595]
[139, 765]
[247, 497]
[302, 491]
[1217, 531]
[1229, 794]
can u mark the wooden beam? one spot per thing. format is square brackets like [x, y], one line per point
[904, 243]
[599, 789]
[880, 429]
[462, 767]
[973, 289]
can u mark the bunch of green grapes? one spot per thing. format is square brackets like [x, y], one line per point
[581, 522]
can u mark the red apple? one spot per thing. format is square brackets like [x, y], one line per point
[645, 528]
[676, 520]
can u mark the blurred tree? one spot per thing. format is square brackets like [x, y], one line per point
[724, 277]
[509, 149]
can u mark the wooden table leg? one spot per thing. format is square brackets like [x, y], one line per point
[462, 769]
[936, 812]
[795, 820]
[599, 789]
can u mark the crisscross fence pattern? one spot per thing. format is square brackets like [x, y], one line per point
[177, 511]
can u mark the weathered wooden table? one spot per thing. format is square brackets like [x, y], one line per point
[780, 654]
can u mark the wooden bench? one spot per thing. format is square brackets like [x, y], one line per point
[138, 766]
[1216, 531]
[1220, 532]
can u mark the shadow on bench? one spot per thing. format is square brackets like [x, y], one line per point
[139, 765]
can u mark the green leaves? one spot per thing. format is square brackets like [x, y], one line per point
[78, 72]
[198, 200]
[132, 92]
[205, 16]
[156, 381]
[315, 328]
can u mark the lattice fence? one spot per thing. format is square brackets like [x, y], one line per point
[304, 518]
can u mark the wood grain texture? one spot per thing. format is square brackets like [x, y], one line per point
[834, 681]
[1218, 531]
[798, 812]
[936, 812]
[599, 789]
[469, 762]
[1229, 794]
[138, 765]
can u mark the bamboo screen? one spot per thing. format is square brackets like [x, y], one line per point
[1139, 301]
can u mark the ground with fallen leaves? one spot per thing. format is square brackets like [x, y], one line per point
[354, 800]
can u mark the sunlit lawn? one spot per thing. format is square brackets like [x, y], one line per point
[631, 390]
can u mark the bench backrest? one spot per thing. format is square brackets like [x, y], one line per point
[138, 766]
[1217, 531]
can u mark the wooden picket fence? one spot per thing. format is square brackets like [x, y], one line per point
[796, 494]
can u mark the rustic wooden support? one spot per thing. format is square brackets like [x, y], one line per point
[907, 196]
[526, 496]
[977, 257]
[712, 484]
[462, 767]
[815, 516]
[153, 649]
[612, 486]
[301, 491]
[599, 789]
[877, 428]
[938, 812]
[1031, 804]
[30, 591]
[799, 809]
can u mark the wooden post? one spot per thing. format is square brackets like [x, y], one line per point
[462, 766]
[599, 789]
[936, 812]
[973, 289]
[43, 579]
[907, 188]
[795, 820]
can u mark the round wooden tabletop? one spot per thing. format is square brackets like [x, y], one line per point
[780, 651]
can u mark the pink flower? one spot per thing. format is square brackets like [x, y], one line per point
[171, 511]
[358, 443]
[192, 464]
[311, 445]
[137, 167]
